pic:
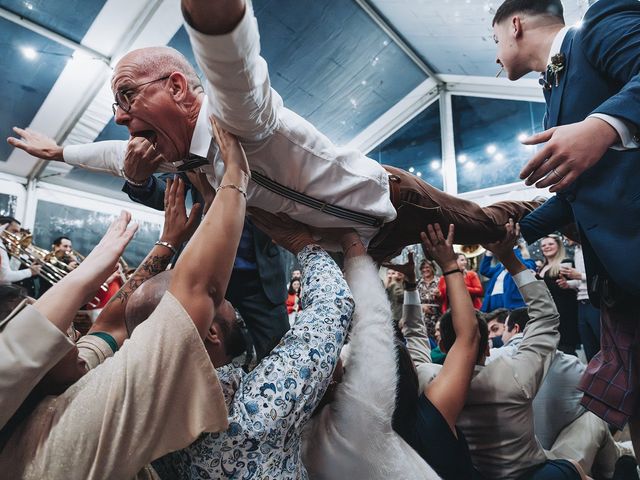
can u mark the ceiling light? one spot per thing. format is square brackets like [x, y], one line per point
[470, 165]
[29, 53]
[28, 5]
[522, 137]
[411, 169]
[462, 158]
[499, 157]
[435, 164]
[419, 174]
[491, 149]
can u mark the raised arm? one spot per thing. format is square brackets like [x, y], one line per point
[203, 270]
[370, 380]
[213, 18]
[225, 40]
[541, 336]
[60, 303]
[413, 326]
[448, 391]
[308, 353]
[177, 226]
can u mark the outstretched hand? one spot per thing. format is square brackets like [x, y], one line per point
[36, 144]
[503, 248]
[569, 151]
[232, 152]
[283, 230]
[436, 246]
[178, 226]
[407, 269]
[103, 258]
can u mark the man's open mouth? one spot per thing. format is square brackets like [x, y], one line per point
[150, 135]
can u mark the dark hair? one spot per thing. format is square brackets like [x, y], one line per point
[10, 297]
[499, 315]
[7, 219]
[536, 7]
[520, 317]
[291, 291]
[233, 337]
[58, 240]
[404, 415]
[448, 334]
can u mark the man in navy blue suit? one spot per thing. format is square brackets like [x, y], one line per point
[257, 284]
[591, 83]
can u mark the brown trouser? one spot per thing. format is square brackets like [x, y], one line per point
[419, 204]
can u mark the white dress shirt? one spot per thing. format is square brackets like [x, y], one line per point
[626, 130]
[7, 274]
[279, 143]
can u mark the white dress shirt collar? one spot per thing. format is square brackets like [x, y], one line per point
[201, 134]
[556, 46]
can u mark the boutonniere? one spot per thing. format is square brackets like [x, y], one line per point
[557, 66]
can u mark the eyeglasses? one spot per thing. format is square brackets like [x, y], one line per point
[123, 97]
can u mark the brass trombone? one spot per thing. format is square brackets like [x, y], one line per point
[52, 269]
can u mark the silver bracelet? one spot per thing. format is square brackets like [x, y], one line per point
[133, 182]
[168, 245]
[235, 187]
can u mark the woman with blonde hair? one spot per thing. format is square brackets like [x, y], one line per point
[563, 291]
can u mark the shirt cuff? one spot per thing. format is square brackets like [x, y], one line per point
[626, 131]
[524, 278]
[411, 297]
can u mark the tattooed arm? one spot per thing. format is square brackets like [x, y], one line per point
[177, 228]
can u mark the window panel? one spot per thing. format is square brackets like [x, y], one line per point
[487, 135]
[85, 228]
[416, 147]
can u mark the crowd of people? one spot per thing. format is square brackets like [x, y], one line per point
[205, 363]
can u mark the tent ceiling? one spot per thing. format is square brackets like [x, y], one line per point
[341, 64]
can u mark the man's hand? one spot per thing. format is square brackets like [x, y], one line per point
[503, 249]
[177, 225]
[35, 269]
[103, 258]
[230, 148]
[435, 246]
[408, 269]
[284, 231]
[141, 159]
[570, 273]
[36, 144]
[569, 151]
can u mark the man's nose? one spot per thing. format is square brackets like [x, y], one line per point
[121, 117]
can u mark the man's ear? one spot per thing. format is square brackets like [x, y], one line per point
[178, 86]
[516, 27]
[213, 335]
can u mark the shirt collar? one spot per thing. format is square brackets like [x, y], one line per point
[556, 46]
[201, 139]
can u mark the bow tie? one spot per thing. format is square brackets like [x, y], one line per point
[191, 163]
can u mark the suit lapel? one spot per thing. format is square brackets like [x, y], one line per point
[555, 100]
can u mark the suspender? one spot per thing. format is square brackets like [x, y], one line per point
[314, 203]
[195, 161]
